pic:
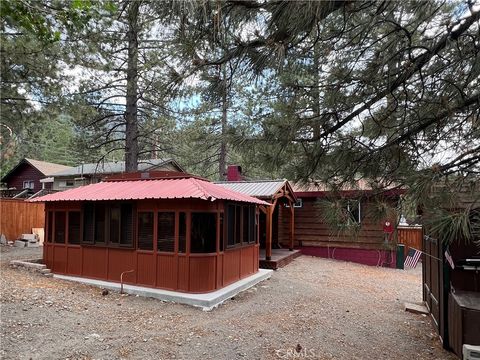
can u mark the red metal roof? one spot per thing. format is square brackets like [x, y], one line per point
[156, 188]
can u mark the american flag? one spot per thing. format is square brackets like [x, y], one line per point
[412, 258]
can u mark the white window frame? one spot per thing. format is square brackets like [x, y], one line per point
[29, 184]
[349, 209]
[297, 204]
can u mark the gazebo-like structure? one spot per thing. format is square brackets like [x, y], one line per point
[166, 230]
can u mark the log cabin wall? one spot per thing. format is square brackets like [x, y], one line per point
[315, 237]
[310, 230]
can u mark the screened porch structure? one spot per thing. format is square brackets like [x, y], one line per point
[165, 230]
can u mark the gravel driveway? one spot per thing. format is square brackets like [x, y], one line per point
[314, 308]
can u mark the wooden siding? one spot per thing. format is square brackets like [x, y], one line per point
[25, 172]
[194, 273]
[310, 230]
[19, 217]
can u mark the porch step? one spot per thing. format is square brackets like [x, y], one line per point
[279, 260]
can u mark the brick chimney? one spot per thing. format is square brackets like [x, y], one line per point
[234, 173]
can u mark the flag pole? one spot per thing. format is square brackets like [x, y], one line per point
[423, 252]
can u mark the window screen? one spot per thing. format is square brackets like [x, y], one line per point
[126, 222]
[74, 227]
[238, 224]
[166, 232]
[221, 232]
[182, 232]
[145, 230]
[252, 224]
[99, 223]
[50, 226]
[115, 217]
[203, 233]
[88, 223]
[246, 224]
[230, 225]
[60, 226]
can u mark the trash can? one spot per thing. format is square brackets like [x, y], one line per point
[400, 255]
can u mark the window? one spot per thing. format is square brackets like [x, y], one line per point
[145, 230]
[74, 227]
[50, 226]
[115, 224]
[203, 237]
[238, 224]
[99, 223]
[246, 225]
[166, 232]
[221, 232]
[252, 225]
[241, 224]
[60, 219]
[100, 217]
[297, 204]
[230, 225]
[182, 232]
[353, 210]
[88, 223]
[126, 222]
[69, 183]
[29, 184]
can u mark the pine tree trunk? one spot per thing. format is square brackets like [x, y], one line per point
[222, 162]
[131, 127]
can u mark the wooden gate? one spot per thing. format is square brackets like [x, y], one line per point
[433, 280]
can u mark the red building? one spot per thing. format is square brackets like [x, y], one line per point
[175, 231]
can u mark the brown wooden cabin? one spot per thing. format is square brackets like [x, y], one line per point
[174, 230]
[316, 237]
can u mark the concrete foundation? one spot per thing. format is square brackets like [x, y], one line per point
[207, 301]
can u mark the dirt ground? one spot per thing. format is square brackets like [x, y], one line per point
[313, 308]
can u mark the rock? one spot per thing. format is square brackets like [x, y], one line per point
[105, 292]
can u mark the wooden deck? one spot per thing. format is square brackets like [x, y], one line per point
[280, 258]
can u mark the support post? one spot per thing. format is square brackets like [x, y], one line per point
[268, 233]
[292, 226]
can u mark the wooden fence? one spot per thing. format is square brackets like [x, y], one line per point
[19, 217]
[410, 236]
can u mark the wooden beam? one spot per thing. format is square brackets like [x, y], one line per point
[292, 225]
[268, 233]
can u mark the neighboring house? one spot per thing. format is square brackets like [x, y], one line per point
[166, 230]
[26, 175]
[85, 174]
